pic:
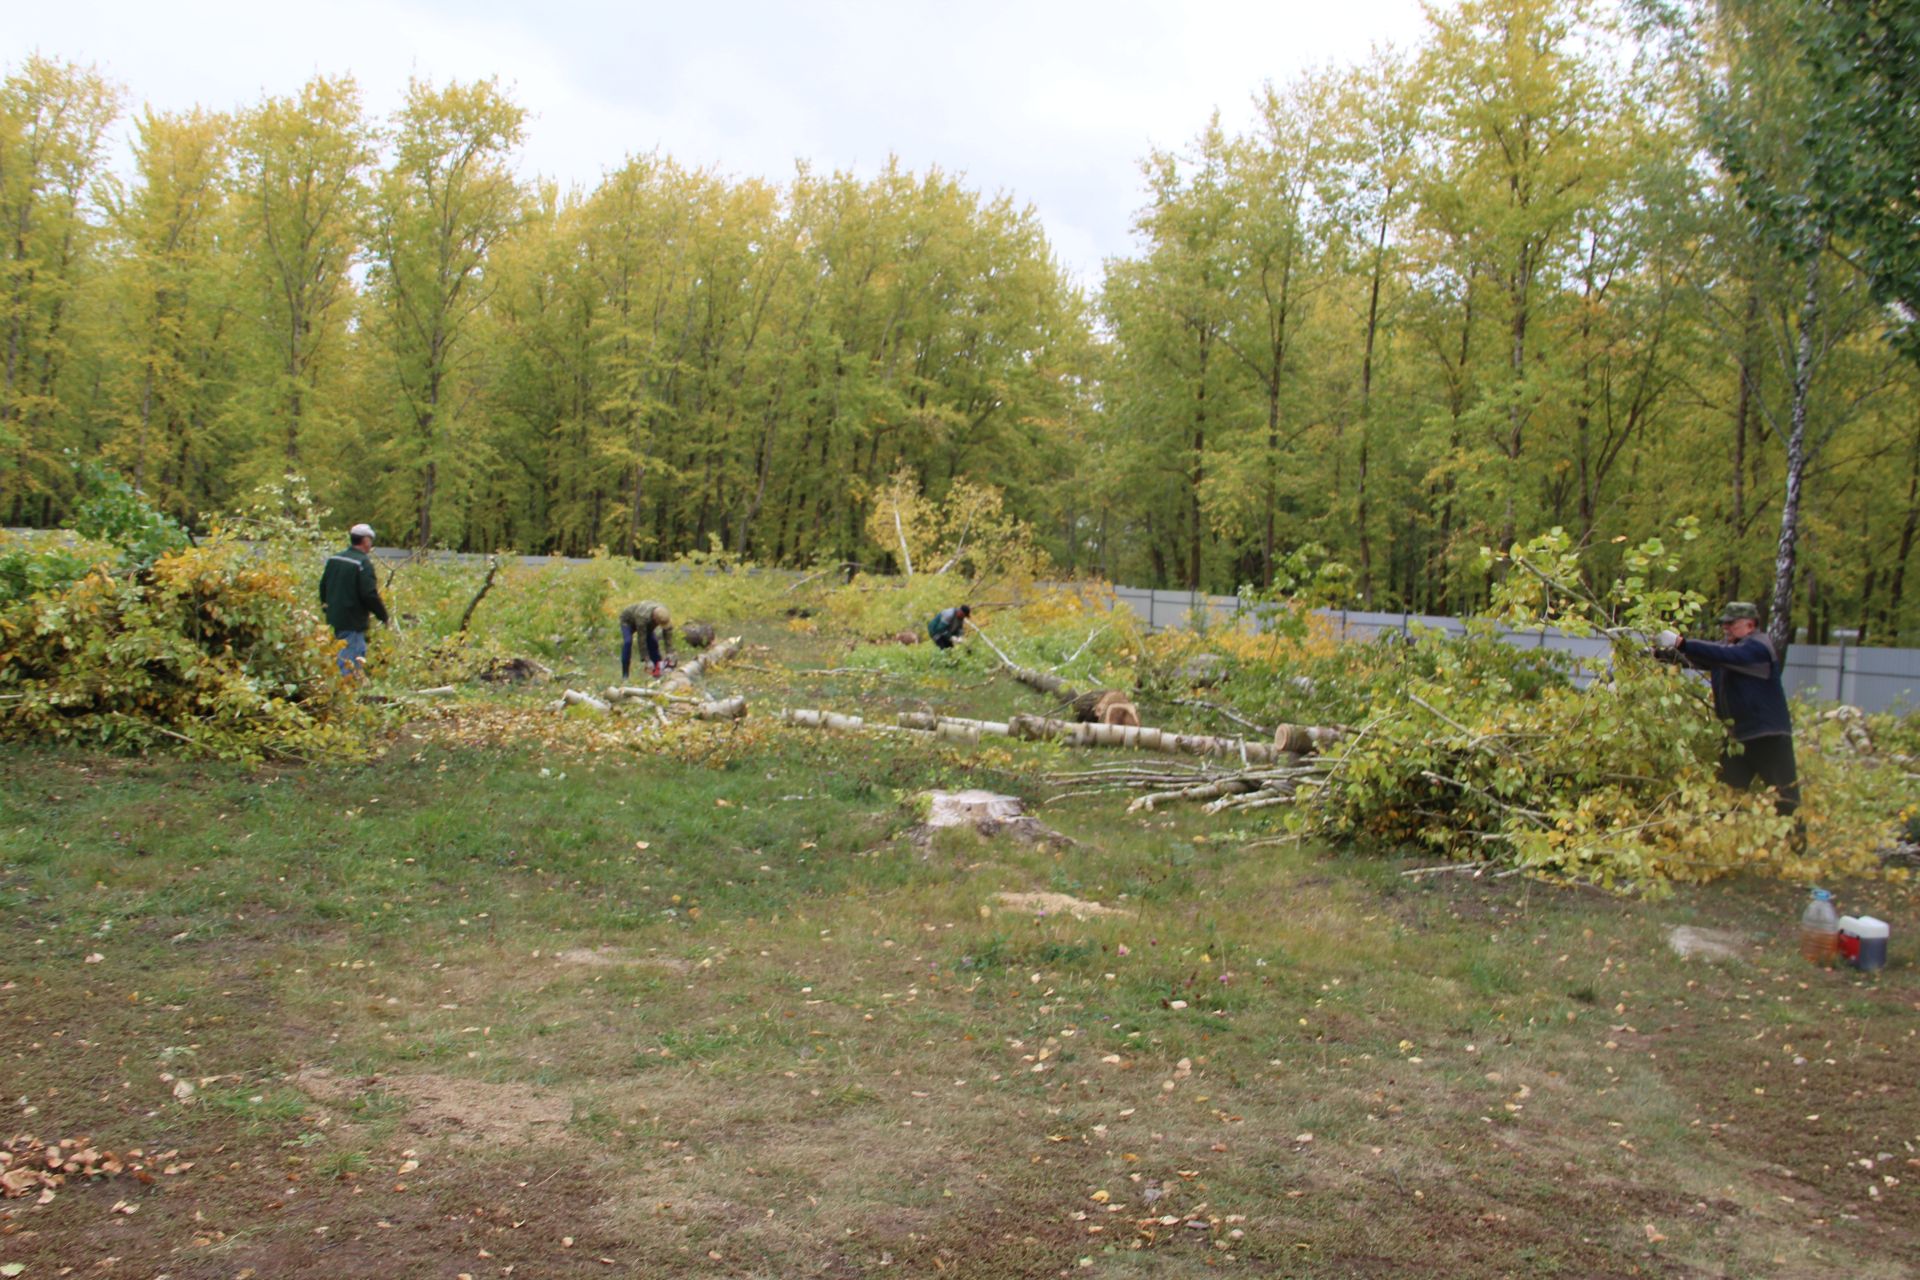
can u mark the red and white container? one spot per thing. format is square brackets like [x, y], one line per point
[1850, 940]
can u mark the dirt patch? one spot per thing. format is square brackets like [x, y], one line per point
[475, 1111]
[604, 957]
[1708, 944]
[480, 1111]
[323, 1085]
[1055, 904]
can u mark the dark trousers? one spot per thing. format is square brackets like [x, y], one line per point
[943, 642]
[1769, 759]
[626, 649]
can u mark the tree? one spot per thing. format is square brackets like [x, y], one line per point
[170, 293]
[53, 120]
[1862, 59]
[300, 167]
[1526, 137]
[443, 203]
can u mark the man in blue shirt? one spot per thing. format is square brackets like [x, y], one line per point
[1749, 699]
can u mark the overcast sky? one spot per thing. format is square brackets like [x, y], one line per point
[1054, 101]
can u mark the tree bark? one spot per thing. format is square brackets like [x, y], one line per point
[1780, 626]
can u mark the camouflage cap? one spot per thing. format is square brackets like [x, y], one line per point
[1737, 609]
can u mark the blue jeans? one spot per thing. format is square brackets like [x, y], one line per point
[626, 649]
[354, 655]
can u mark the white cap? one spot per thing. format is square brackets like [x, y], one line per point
[360, 531]
[1872, 928]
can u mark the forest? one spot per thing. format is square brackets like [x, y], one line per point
[1636, 272]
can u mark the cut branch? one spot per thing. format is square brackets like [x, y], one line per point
[493, 568]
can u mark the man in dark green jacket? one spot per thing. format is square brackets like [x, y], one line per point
[350, 592]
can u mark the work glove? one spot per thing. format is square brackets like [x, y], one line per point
[1668, 639]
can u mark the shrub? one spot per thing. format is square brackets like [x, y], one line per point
[210, 646]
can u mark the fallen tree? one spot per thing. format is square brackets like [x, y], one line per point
[809, 718]
[1137, 738]
[680, 679]
[734, 708]
[1089, 706]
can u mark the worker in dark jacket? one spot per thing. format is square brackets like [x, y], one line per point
[651, 621]
[350, 592]
[947, 625]
[1750, 699]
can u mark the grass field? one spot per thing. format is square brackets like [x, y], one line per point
[501, 1003]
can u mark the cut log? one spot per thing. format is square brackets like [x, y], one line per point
[807, 718]
[575, 698]
[725, 709]
[1089, 706]
[927, 722]
[680, 679]
[1042, 682]
[1304, 739]
[1137, 738]
[1105, 706]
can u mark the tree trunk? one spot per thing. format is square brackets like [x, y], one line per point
[1742, 415]
[1781, 625]
[1890, 614]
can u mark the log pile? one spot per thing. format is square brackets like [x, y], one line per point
[1305, 739]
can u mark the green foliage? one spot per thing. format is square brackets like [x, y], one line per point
[1612, 784]
[112, 511]
[211, 647]
[1546, 584]
[25, 570]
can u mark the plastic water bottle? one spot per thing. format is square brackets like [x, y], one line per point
[1820, 930]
